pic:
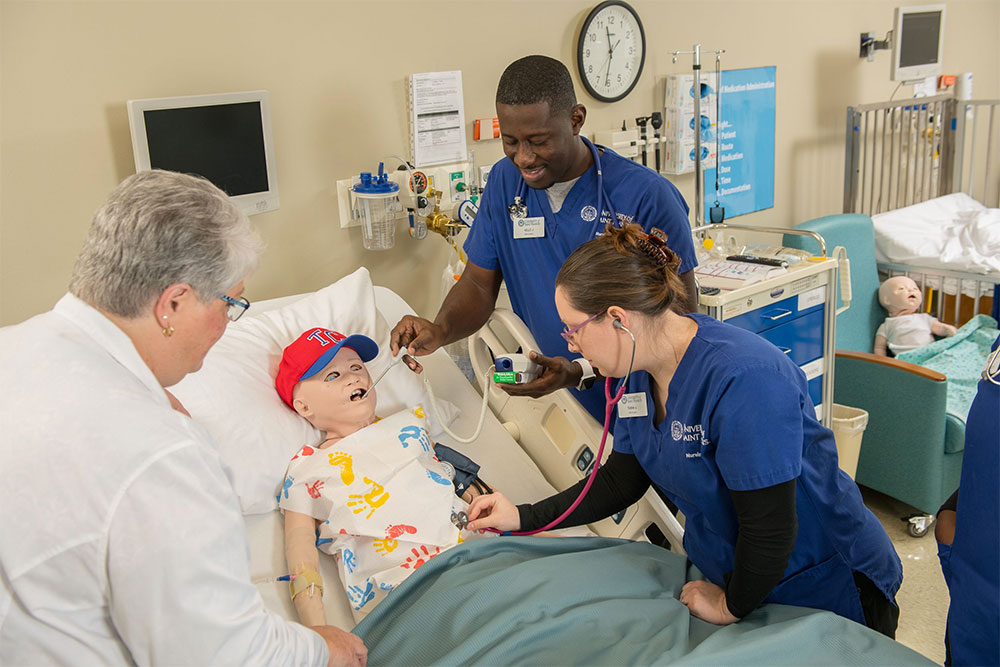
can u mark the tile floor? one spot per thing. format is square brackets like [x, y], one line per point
[923, 597]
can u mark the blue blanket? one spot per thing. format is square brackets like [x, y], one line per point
[588, 601]
[960, 358]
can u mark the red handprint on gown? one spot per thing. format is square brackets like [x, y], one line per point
[420, 557]
[392, 532]
[314, 488]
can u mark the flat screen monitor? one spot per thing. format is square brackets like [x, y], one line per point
[917, 42]
[226, 138]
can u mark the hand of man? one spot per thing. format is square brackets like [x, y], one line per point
[493, 511]
[707, 601]
[346, 649]
[557, 372]
[419, 335]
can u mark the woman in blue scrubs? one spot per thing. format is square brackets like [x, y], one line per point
[725, 427]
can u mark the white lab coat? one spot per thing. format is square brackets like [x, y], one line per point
[121, 538]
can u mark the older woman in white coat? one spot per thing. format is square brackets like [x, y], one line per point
[121, 539]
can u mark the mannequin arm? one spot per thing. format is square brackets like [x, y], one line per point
[302, 555]
[939, 328]
[880, 346]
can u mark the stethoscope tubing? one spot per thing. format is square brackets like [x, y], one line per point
[522, 192]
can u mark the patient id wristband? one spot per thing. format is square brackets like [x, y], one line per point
[305, 580]
[587, 380]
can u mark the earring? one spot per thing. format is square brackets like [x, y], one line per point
[168, 331]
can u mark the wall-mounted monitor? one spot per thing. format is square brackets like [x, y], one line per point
[226, 138]
[917, 42]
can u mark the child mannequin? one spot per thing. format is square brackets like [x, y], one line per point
[905, 328]
[372, 493]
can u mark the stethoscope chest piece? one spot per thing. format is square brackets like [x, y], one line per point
[518, 210]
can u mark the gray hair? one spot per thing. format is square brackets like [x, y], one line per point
[158, 228]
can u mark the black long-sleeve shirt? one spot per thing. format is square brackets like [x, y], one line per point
[768, 524]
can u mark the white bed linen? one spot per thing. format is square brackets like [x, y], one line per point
[954, 233]
[504, 465]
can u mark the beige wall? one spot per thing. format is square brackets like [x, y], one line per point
[336, 73]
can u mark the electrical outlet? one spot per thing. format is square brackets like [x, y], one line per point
[484, 173]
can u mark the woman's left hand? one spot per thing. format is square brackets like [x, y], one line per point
[707, 601]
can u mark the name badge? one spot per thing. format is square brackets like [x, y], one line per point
[633, 405]
[529, 228]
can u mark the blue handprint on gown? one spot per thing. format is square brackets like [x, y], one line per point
[408, 433]
[320, 541]
[285, 486]
[384, 586]
[440, 479]
[350, 562]
[360, 598]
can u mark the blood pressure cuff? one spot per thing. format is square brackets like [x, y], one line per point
[465, 468]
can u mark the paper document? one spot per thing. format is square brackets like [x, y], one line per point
[437, 118]
[728, 274]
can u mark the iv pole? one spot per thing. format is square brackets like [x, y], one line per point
[699, 185]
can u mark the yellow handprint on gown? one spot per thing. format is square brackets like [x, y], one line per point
[370, 501]
[418, 411]
[345, 463]
[385, 546]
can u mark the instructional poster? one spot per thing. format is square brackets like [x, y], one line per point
[746, 143]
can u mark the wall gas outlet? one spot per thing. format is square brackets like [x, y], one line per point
[458, 186]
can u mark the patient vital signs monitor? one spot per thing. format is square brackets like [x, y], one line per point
[917, 42]
[226, 138]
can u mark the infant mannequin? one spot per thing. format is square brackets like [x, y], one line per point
[905, 328]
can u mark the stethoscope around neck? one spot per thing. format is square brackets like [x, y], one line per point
[518, 209]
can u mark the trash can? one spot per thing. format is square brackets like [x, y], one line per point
[848, 428]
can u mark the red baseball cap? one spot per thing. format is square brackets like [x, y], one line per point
[311, 352]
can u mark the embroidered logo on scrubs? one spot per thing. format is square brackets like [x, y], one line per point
[685, 433]
[588, 213]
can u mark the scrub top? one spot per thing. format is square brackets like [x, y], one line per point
[739, 416]
[529, 265]
[974, 615]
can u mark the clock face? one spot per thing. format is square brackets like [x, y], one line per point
[611, 51]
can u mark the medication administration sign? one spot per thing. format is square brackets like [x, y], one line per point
[746, 143]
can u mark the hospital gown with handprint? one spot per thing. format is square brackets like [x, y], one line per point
[383, 503]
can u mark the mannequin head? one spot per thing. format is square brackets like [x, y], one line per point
[322, 376]
[900, 296]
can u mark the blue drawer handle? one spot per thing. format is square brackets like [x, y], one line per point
[784, 350]
[783, 313]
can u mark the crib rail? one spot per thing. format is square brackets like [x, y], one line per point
[905, 152]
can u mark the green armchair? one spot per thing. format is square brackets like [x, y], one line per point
[911, 450]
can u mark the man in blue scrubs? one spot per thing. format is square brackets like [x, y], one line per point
[970, 557]
[541, 202]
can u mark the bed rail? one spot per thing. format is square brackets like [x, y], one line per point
[905, 152]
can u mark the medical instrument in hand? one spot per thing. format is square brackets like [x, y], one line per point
[515, 369]
[460, 520]
[399, 357]
[519, 209]
[656, 120]
[611, 402]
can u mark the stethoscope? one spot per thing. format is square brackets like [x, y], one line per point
[460, 519]
[991, 372]
[518, 210]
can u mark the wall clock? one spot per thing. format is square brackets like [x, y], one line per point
[611, 51]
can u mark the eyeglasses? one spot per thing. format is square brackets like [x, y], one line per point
[567, 333]
[236, 306]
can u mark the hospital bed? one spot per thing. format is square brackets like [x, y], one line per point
[926, 171]
[577, 599]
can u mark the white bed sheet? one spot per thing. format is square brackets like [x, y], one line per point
[954, 233]
[504, 465]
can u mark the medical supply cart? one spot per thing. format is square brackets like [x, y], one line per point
[796, 310]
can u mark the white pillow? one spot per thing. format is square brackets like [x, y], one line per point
[233, 394]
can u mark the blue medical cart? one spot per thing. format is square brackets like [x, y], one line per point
[796, 311]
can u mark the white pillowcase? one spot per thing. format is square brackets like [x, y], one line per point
[233, 394]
